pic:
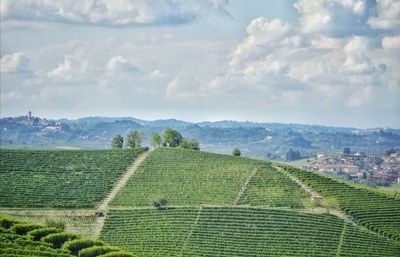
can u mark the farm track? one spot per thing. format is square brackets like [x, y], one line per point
[310, 191]
[244, 186]
[120, 184]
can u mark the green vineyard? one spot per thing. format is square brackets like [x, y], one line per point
[377, 212]
[60, 179]
[214, 205]
[240, 232]
[190, 178]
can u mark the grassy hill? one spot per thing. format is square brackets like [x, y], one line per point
[217, 205]
[190, 178]
[60, 179]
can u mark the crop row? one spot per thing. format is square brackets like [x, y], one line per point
[191, 178]
[229, 231]
[60, 179]
[19, 238]
[379, 213]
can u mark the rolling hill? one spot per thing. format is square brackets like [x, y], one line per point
[217, 205]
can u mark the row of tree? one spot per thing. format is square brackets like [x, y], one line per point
[169, 138]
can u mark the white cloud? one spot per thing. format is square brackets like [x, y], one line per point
[120, 64]
[155, 75]
[387, 15]
[110, 12]
[334, 17]
[72, 68]
[391, 42]
[15, 62]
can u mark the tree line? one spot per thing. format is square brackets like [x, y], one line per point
[169, 138]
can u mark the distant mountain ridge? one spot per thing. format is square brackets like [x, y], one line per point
[263, 140]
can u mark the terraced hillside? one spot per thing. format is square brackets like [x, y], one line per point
[377, 212]
[237, 231]
[60, 179]
[190, 178]
[20, 238]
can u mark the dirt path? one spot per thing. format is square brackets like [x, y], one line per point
[120, 184]
[244, 186]
[298, 182]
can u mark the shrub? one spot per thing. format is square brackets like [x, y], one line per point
[58, 239]
[160, 203]
[236, 152]
[7, 221]
[78, 244]
[97, 250]
[22, 229]
[39, 233]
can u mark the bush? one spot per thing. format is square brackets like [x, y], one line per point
[190, 144]
[7, 221]
[22, 229]
[39, 233]
[160, 203]
[55, 223]
[116, 254]
[236, 152]
[58, 239]
[97, 250]
[76, 245]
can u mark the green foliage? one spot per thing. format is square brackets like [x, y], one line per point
[230, 231]
[117, 142]
[185, 177]
[23, 229]
[7, 221]
[55, 223]
[172, 138]
[236, 152]
[134, 139]
[60, 179]
[156, 140]
[190, 144]
[293, 155]
[97, 250]
[78, 244]
[117, 254]
[378, 212]
[39, 233]
[58, 239]
[160, 203]
[346, 151]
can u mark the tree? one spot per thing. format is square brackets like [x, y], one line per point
[134, 139]
[160, 203]
[236, 152]
[117, 142]
[156, 140]
[190, 144]
[390, 151]
[346, 151]
[292, 155]
[172, 138]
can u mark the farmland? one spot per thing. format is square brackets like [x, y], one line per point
[216, 205]
[60, 179]
[239, 232]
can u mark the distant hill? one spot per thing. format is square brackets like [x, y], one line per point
[262, 140]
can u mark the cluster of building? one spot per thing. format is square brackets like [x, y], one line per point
[358, 166]
[43, 124]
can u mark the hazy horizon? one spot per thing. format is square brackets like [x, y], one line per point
[328, 62]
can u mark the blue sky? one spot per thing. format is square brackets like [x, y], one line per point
[332, 62]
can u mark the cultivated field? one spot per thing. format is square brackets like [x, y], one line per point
[60, 179]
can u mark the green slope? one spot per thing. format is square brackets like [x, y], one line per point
[60, 179]
[190, 178]
[239, 231]
[379, 213]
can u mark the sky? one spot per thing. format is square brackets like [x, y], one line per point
[327, 62]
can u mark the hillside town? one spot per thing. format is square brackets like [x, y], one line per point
[376, 170]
